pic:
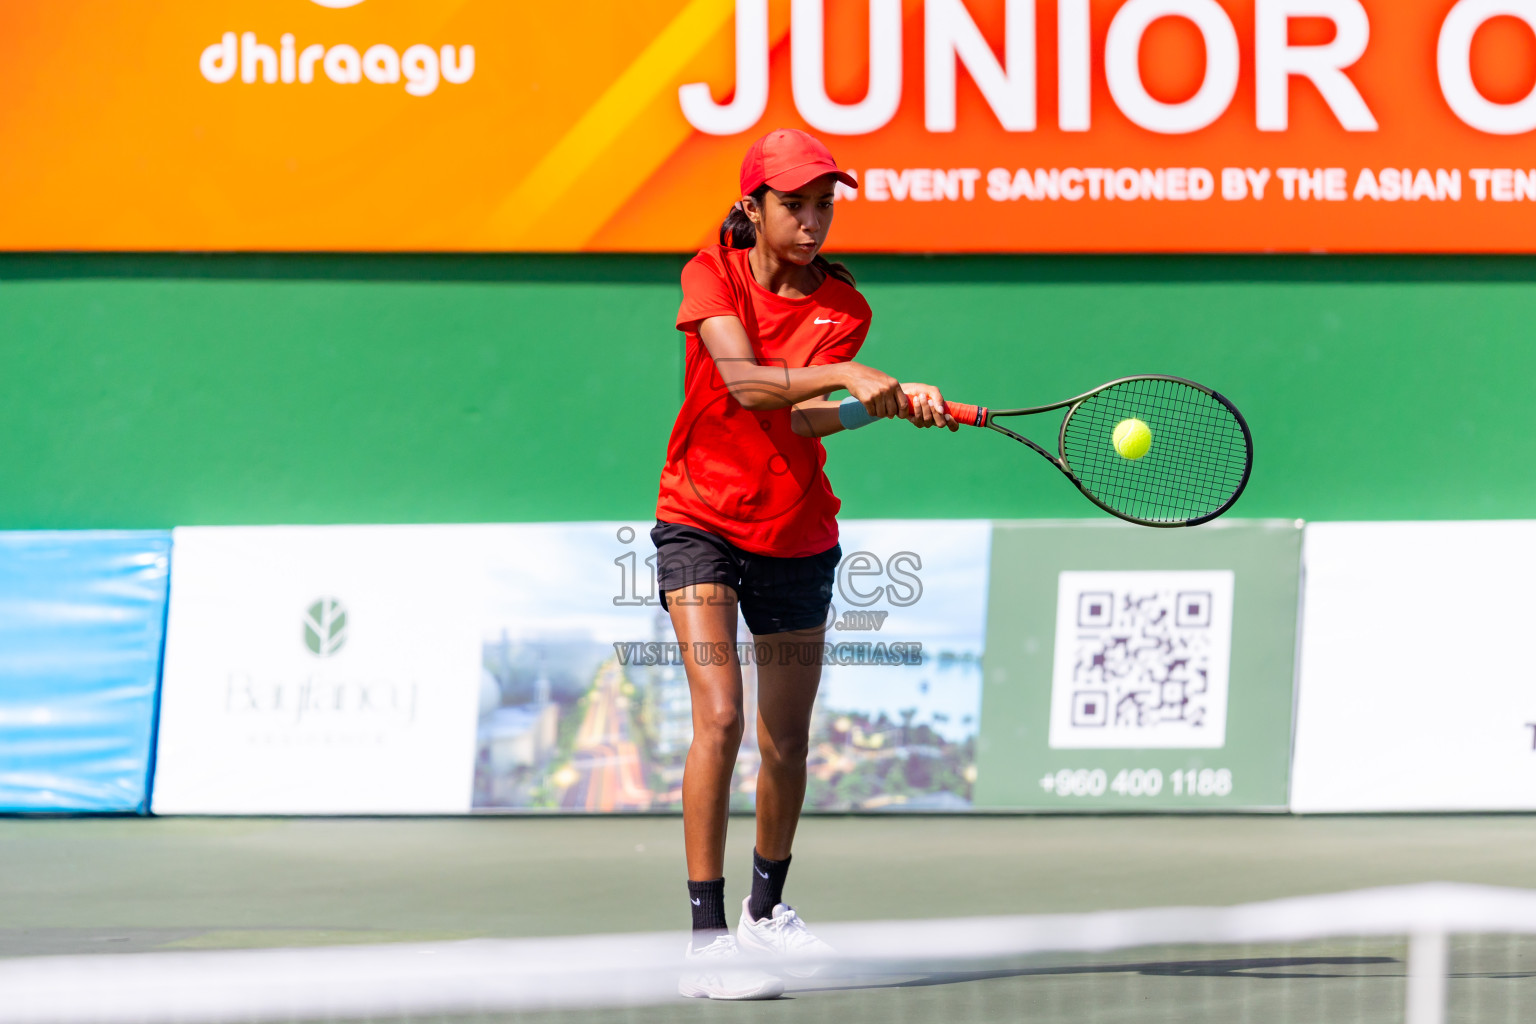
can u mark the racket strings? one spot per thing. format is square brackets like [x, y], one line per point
[1197, 462]
[1188, 477]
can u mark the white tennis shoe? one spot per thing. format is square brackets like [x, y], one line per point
[710, 974]
[782, 933]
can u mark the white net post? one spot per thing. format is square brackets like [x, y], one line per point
[1428, 968]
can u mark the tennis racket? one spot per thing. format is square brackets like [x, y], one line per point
[1196, 467]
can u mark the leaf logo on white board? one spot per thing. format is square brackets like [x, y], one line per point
[325, 627]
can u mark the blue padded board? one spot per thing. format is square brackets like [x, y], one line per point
[82, 620]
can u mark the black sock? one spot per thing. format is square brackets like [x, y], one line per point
[708, 900]
[767, 885]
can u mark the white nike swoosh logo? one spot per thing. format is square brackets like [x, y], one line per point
[819, 320]
[760, 872]
[695, 902]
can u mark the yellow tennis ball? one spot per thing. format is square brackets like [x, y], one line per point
[1132, 438]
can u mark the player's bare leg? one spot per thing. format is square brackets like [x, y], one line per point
[786, 693]
[704, 619]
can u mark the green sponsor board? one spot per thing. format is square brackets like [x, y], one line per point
[1129, 669]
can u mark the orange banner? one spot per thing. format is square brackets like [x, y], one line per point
[618, 125]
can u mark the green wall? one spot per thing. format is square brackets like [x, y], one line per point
[150, 391]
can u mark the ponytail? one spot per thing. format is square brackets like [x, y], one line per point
[738, 232]
[837, 270]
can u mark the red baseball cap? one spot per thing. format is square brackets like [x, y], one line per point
[787, 158]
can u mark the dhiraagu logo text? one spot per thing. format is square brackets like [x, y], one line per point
[325, 627]
[422, 67]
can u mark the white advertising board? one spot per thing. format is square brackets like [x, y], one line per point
[530, 666]
[1417, 686]
[315, 670]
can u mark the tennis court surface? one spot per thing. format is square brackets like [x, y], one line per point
[370, 889]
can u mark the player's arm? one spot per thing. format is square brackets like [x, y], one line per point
[818, 417]
[757, 386]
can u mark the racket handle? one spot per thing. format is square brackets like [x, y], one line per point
[970, 415]
[852, 415]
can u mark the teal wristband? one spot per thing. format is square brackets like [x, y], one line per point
[852, 415]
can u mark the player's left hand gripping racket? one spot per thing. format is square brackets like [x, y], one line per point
[1194, 469]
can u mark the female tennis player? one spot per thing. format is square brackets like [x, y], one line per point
[746, 518]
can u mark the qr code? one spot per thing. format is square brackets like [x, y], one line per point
[1141, 660]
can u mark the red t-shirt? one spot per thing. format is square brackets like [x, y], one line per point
[743, 475]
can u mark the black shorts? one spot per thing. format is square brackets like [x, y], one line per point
[776, 595]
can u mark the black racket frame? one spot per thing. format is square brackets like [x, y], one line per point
[1060, 461]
